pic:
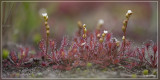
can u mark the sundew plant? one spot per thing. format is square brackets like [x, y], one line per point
[95, 53]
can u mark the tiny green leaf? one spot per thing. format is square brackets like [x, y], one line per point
[5, 53]
[32, 75]
[89, 64]
[105, 69]
[39, 74]
[154, 72]
[17, 75]
[113, 69]
[78, 69]
[134, 76]
[145, 72]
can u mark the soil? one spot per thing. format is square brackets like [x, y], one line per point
[48, 72]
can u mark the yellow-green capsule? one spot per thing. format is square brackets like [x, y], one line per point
[117, 43]
[46, 23]
[101, 40]
[125, 22]
[123, 38]
[47, 27]
[79, 24]
[47, 32]
[85, 30]
[145, 72]
[46, 18]
[84, 35]
[103, 35]
[123, 29]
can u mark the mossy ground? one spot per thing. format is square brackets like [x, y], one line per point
[92, 72]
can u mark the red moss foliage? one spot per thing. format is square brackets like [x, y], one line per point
[79, 51]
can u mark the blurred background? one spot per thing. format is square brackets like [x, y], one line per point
[22, 23]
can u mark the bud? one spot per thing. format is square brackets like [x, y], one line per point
[47, 32]
[63, 54]
[105, 31]
[46, 23]
[125, 22]
[129, 12]
[84, 35]
[44, 14]
[84, 25]
[23, 54]
[46, 18]
[83, 44]
[47, 27]
[123, 38]
[103, 35]
[98, 35]
[127, 16]
[85, 30]
[101, 22]
[123, 29]
[101, 40]
[117, 43]
[79, 24]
